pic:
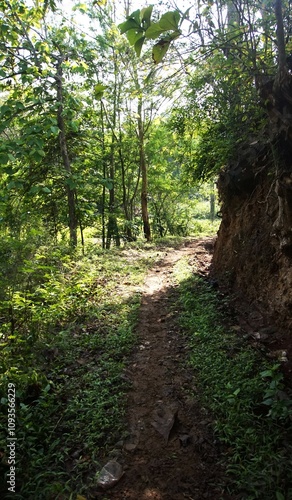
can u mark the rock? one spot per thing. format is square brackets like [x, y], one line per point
[163, 420]
[280, 355]
[185, 440]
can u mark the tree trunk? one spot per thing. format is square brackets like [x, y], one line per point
[212, 203]
[280, 37]
[73, 222]
[112, 227]
[103, 198]
[144, 176]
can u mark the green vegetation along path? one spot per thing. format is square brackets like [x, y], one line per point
[169, 452]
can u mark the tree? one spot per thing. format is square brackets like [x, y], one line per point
[40, 79]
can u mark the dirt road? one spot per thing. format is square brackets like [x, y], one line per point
[169, 453]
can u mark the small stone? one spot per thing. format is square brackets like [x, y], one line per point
[185, 440]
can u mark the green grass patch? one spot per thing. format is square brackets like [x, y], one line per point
[67, 330]
[242, 391]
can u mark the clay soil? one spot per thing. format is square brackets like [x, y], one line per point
[169, 452]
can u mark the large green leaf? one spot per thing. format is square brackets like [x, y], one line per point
[146, 16]
[132, 22]
[170, 20]
[129, 25]
[5, 110]
[138, 46]
[133, 36]
[154, 31]
[159, 50]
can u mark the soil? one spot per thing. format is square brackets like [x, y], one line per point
[252, 266]
[169, 452]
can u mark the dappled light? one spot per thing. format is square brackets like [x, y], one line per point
[145, 250]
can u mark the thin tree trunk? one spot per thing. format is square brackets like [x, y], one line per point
[212, 203]
[112, 227]
[73, 222]
[104, 176]
[280, 37]
[143, 167]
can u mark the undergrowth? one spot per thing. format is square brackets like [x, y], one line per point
[67, 326]
[243, 392]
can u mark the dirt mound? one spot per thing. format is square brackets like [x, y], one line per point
[253, 252]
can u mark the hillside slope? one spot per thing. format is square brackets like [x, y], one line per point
[253, 252]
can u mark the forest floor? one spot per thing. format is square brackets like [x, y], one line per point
[151, 383]
[170, 452]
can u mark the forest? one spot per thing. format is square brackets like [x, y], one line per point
[145, 252]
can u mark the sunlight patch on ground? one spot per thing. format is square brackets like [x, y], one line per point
[152, 493]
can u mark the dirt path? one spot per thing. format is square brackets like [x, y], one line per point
[169, 453]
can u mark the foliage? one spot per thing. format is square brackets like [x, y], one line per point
[67, 326]
[236, 385]
[139, 27]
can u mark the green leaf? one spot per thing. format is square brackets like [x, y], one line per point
[170, 20]
[19, 105]
[11, 185]
[82, 7]
[129, 25]
[8, 170]
[74, 125]
[38, 155]
[136, 15]
[186, 14]
[146, 16]
[71, 183]
[279, 496]
[134, 35]
[4, 158]
[268, 402]
[266, 373]
[34, 190]
[39, 143]
[138, 46]
[54, 130]
[15, 184]
[99, 90]
[159, 50]
[108, 183]
[154, 31]
[4, 110]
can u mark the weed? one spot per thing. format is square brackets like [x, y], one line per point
[235, 381]
[65, 339]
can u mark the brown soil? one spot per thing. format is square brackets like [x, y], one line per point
[253, 269]
[170, 452]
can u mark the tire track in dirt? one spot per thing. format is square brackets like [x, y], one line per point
[183, 465]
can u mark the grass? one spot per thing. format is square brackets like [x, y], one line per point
[241, 390]
[67, 328]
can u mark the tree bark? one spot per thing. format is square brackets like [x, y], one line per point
[280, 37]
[212, 202]
[73, 221]
[144, 176]
[112, 227]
